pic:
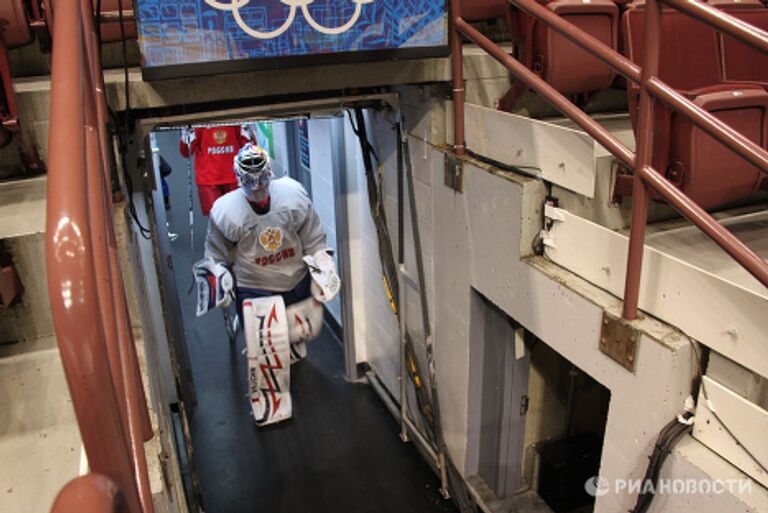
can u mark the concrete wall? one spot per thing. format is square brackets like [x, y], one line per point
[481, 243]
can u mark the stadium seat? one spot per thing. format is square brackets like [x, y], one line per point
[704, 168]
[480, 10]
[14, 32]
[111, 32]
[742, 63]
[564, 65]
[690, 62]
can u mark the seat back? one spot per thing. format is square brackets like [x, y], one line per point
[704, 168]
[564, 65]
[741, 62]
[111, 32]
[690, 57]
[481, 10]
[15, 30]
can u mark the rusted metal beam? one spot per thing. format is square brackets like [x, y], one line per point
[549, 93]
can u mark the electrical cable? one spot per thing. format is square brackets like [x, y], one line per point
[668, 438]
[124, 134]
[426, 401]
[504, 167]
[673, 433]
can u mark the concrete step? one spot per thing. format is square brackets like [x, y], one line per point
[22, 232]
[40, 444]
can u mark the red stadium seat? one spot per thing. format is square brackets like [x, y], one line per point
[705, 169]
[15, 29]
[14, 32]
[564, 65]
[690, 61]
[480, 10]
[111, 32]
[740, 62]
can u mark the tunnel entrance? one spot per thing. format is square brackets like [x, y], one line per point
[320, 459]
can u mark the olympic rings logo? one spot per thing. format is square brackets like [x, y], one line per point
[235, 5]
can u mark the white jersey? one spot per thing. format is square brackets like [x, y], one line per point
[266, 250]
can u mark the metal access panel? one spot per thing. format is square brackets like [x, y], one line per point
[504, 403]
[205, 37]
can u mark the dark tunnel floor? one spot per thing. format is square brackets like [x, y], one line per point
[339, 453]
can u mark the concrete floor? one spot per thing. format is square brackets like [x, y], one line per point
[339, 453]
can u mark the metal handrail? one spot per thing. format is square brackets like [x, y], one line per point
[92, 493]
[88, 301]
[645, 176]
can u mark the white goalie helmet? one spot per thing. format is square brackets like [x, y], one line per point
[253, 168]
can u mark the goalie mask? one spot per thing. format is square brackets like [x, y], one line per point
[215, 285]
[253, 169]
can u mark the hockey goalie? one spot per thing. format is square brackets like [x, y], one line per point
[266, 250]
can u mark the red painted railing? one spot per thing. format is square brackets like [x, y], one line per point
[85, 284]
[92, 493]
[646, 178]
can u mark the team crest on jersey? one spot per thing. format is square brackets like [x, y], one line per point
[220, 136]
[271, 239]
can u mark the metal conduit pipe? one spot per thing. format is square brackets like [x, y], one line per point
[457, 74]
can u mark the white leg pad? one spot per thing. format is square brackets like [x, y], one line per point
[269, 371]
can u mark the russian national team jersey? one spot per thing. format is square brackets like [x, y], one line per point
[214, 150]
[266, 250]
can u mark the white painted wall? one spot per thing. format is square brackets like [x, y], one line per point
[280, 135]
[324, 162]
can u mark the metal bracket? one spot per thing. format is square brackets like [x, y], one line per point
[619, 340]
[454, 173]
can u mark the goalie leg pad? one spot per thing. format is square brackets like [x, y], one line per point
[269, 371]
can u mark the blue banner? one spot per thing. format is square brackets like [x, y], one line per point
[174, 32]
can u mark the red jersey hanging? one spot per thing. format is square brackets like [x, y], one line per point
[214, 150]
